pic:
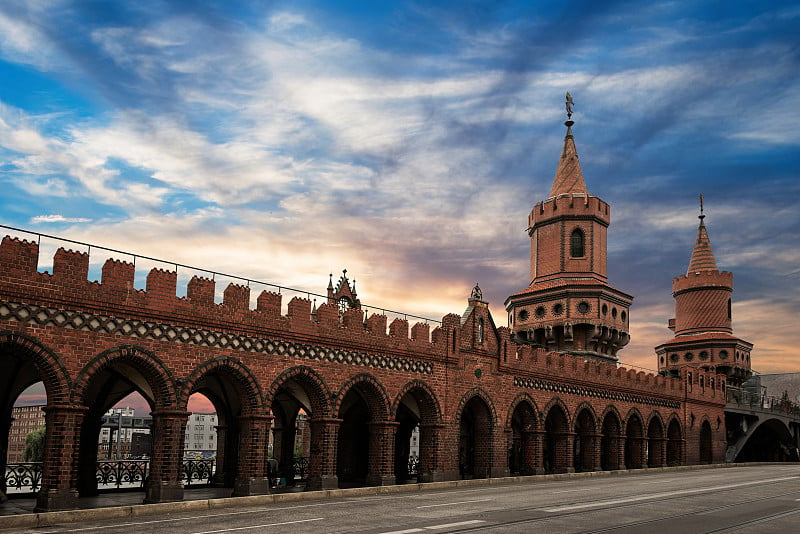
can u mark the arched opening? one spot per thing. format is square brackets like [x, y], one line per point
[635, 446]
[557, 453]
[610, 442]
[770, 442]
[706, 446]
[576, 244]
[655, 443]
[230, 421]
[584, 446]
[475, 439]
[364, 455]
[32, 379]
[674, 443]
[522, 449]
[202, 445]
[417, 417]
[24, 428]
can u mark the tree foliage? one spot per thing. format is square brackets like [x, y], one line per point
[34, 446]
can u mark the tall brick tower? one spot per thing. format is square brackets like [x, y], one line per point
[702, 324]
[569, 305]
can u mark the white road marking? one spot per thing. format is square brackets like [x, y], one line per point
[260, 526]
[567, 491]
[453, 525]
[659, 481]
[638, 498]
[436, 527]
[453, 503]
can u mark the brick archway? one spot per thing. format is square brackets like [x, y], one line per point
[477, 424]
[656, 450]
[635, 440]
[48, 366]
[312, 383]
[586, 444]
[418, 416]
[558, 441]
[611, 450]
[675, 448]
[524, 441]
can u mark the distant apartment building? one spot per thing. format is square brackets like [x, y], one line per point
[121, 429]
[201, 435]
[25, 419]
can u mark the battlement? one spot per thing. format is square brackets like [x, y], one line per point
[115, 294]
[573, 204]
[703, 279]
[526, 360]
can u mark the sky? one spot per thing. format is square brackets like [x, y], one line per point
[407, 142]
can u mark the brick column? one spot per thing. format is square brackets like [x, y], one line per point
[380, 470]
[219, 473]
[165, 482]
[564, 452]
[5, 431]
[251, 475]
[60, 468]
[498, 456]
[431, 453]
[621, 452]
[593, 454]
[322, 461]
[538, 451]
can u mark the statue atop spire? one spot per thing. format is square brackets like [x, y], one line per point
[570, 103]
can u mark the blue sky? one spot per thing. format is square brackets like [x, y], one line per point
[407, 141]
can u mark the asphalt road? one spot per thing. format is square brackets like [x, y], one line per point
[762, 499]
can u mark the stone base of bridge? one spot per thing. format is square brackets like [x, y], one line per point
[316, 483]
[244, 486]
[433, 476]
[381, 480]
[56, 499]
[156, 492]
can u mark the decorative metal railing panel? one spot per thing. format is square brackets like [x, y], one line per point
[198, 472]
[747, 398]
[26, 478]
[122, 473]
[413, 465]
[300, 468]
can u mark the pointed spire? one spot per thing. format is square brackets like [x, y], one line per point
[569, 176]
[702, 255]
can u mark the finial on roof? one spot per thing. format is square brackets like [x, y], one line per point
[701, 209]
[330, 281]
[570, 103]
[476, 294]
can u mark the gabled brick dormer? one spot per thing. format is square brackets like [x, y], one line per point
[703, 320]
[569, 305]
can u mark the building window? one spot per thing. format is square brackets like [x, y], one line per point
[576, 247]
[480, 330]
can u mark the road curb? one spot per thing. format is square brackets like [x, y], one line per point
[48, 519]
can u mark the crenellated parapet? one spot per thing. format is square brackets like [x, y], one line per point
[569, 205]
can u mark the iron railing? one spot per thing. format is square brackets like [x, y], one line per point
[25, 478]
[752, 399]
[300, 468]
[413, 465]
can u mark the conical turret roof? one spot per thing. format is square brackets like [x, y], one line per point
[702, 255]
[569, 176]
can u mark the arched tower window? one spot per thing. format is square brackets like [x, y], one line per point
[576, 244]
[480, 330]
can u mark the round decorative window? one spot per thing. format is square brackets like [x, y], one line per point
[614, 313]
[689, 356]
[723, 355]
[673, 357]
[604, 309]
[623, 316]
[583, 307]
[662, 360]
[523, 315]
[703, 355]
[558, 309]
[540, 311]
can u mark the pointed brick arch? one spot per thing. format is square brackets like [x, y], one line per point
[48, 365]
[468, 396]
[251, 396]
[430, 409]
[557, 402]
[373, 392]
[520, 399]
[585, 406]
[314, 385]
[655, 418]
[153, 370]
[642, 421]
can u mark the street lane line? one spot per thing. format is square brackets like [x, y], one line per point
[407, 531]
[567, 491]
[453, 503]
[260, 526]
[651, 496]
[453, 525]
